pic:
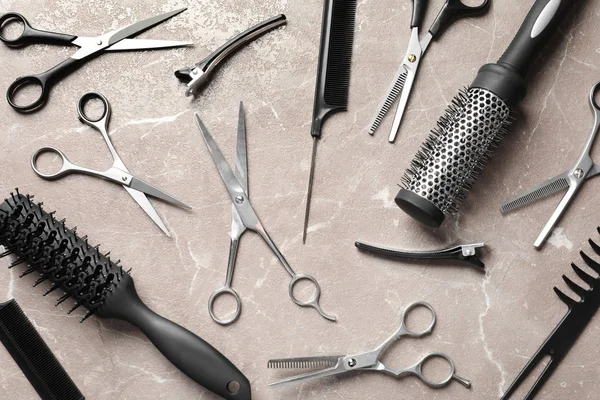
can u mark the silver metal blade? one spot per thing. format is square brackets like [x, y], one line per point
[154, 192]
[560, 209]
[339, 368]
[411, 62]
[241, 152]
[543, 190]
[304, 362]
[147, 44]
[144, 203]
[140, 26]
[231, 183]
[391, 97]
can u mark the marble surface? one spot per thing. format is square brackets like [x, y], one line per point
[490, 324]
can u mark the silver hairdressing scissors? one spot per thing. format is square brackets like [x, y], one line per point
[118, 173]
[573, 179]
[371, 360]
[244, 218]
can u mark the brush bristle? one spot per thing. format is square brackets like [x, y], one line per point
[458, 149]
[57, 254]
[339, 60]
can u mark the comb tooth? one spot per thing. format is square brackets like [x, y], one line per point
[86, 316]
[75, 307]
[42, 279]
[62, 299]
[584, 276]
[566, 299]
[18, 261]
[581, 292]
[590, 262]
[594, 246]
[27, 272]
[6, 253]
[52, 289]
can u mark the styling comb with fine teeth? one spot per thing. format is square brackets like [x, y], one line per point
[580, 313]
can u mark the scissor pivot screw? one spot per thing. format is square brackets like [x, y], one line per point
[578, 173]
[352, 363]
[124, 179]
[239, 199]
[99, 42]
[412, 58]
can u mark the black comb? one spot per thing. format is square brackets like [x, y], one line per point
[333, 74]
[560, 341]
[33, 355]
[94, 281]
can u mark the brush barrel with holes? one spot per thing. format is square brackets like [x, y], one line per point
[459, 148]
[94, 281]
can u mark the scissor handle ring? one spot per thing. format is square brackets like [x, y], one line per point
[460, 6]
[435, 384]
[21, 39]
[86, 98]
[20, 83]
[211, 305]
[404, 327]
[593, 92]
[312, 302]
[64, 169]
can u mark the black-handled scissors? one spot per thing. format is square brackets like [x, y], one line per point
[405, 77]
[118, 173]
[89, 47]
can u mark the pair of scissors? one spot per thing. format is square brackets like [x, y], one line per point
[405, 77]
[371, 360]
[244, 218]
[573, 179]
[118, 173]
[89, 47]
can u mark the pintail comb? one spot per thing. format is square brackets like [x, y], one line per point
[100, 285]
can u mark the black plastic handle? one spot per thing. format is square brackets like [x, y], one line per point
[453, 10]
[419, 7]
[45, 81]
[188, 352]
[542, 21]
[31, 35]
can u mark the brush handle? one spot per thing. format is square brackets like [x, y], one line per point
[192, 355]
[541, 23]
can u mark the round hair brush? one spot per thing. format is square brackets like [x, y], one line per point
[459, 148]
[94, 281]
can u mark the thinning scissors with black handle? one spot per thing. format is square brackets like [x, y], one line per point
[405, 77]
[118, 173]
[244, 218]
[572, 180]
[89, 47]
[371, 360]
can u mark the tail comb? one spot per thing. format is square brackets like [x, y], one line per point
[560, 341]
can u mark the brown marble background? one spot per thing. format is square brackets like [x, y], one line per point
[489, 324]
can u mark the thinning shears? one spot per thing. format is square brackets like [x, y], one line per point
[89, 47]
[573, 179]
[405, 77]
[371, 360]
[244, 218]
[118, 173]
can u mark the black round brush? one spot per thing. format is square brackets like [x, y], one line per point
[94, 281]
[459, 148]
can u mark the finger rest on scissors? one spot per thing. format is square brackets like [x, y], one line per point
[65, 168]
[314, 300]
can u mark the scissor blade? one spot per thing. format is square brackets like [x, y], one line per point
[339, 368]
[140, 26]
[146, 44]
[560, 209]
[304, 362]
[543, 190]
[391, 96]
[143, 202]
[154, 192]
[241, 151]
[408, 85]
[231, 183]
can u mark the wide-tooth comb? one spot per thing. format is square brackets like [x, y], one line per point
[304, 362]
[565, 334]
[94, 281]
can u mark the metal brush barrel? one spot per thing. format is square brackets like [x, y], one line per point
[454, 156]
